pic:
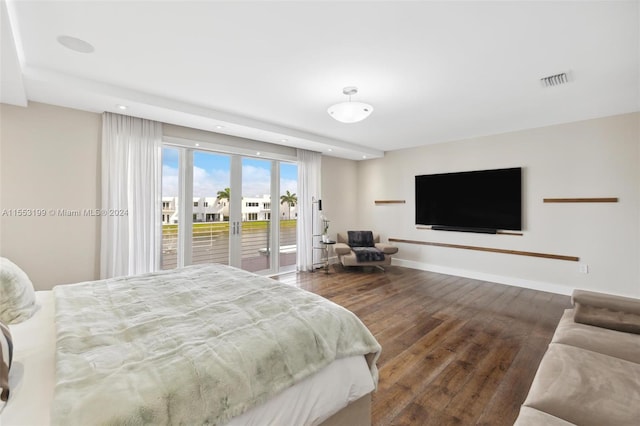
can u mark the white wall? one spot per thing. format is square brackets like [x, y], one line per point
[594, 158]
[49, 159]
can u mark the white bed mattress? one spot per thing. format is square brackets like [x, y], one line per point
[32, 381]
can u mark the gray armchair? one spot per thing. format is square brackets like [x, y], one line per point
[348, 256]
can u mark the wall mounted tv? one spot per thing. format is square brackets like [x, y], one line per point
[475, 201]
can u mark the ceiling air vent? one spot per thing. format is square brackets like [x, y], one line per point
[554, 80]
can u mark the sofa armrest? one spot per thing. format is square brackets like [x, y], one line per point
[387, 248]
[607, 311]
[341, 249]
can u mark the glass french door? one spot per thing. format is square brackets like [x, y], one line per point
[229, 209]
[288, 215]
[211, 190]
[256, 224]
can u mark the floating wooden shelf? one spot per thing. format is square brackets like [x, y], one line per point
[389, 201]
[581, 200]
[489, 249]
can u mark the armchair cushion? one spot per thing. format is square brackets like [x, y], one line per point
[341, 249]
[368, 254]
[348, 257]
[361, 238]
[343, 237]
[387, 248]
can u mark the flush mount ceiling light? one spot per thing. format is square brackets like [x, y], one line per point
[75, 44]
[350, 112]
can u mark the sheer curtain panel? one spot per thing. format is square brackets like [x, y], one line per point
[309, 175]
[131, 195]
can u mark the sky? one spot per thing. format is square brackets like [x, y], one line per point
[211, 174]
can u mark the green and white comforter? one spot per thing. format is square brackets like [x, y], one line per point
[197, 345]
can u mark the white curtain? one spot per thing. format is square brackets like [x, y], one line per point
[131, 195]
[309, 175]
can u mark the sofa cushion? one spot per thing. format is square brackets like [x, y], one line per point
[586, 388]
[532, 417]
[608, 342]
[607, 311]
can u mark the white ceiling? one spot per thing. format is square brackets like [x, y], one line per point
[433, 71]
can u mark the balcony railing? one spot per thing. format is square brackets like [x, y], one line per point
[210, 244]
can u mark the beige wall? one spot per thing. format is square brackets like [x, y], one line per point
[49, 160]
[339, 189]
[594, 158]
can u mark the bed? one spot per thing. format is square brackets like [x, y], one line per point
[205, 344]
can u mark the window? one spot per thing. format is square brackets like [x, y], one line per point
[205, 232]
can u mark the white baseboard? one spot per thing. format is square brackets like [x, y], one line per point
[500, 279]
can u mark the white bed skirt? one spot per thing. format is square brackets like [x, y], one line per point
[32, 381]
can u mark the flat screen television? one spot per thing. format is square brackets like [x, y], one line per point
[475, 201]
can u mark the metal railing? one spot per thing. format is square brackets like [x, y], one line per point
[210, 244]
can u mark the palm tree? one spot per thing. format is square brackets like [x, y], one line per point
[224, 195]
[290, 199]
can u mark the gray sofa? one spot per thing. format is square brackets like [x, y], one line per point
[590, 374]
[347, 257]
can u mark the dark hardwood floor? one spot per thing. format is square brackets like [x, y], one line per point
[455, 351]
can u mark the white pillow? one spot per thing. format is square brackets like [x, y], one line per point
[17, 297]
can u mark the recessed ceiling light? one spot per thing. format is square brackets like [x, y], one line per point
[219, 127]
[330, 150]
[258, 153]
[75, 44]
[122, 107]
[364, 156]
[197, 144]
[284, 140]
